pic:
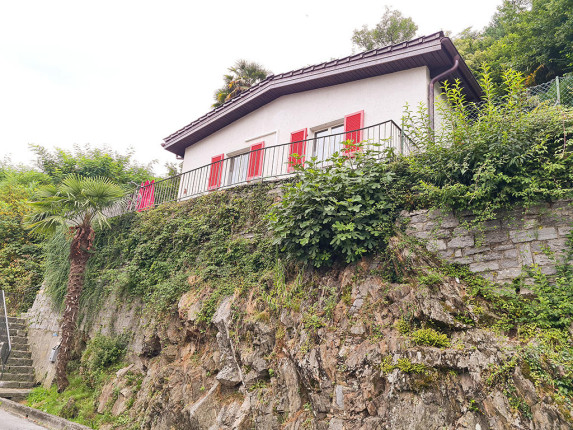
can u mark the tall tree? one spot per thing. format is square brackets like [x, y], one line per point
[532, 36]
[392, 28]
[20, 252]
[88, 161]
[76, 204]
[242, 75]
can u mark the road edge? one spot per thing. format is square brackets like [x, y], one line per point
[39, 417]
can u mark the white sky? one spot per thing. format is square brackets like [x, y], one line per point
[127, 73]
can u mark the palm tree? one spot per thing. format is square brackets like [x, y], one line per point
[244, 74]
[77, 204]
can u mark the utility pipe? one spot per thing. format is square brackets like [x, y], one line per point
[431, 89]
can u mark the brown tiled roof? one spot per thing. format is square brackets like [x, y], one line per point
[434, 51]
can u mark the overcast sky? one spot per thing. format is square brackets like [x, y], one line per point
[129, 73]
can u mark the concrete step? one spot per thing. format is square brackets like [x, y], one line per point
[19, 361]
[15, 353]
[18, 332]
[20, 347]
[16, 394]
[17, 384]
[16, 323]
[18, 378]
[16, 340]
[18, 370]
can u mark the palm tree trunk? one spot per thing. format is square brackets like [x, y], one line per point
[79, 256]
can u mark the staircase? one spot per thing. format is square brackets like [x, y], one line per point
[18, 378]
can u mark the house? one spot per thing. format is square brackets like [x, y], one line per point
[312, 111]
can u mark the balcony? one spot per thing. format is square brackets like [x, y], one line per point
[264, 164]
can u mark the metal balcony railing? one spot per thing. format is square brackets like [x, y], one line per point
[264, 164]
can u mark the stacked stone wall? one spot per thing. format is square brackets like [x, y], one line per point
[501, 248]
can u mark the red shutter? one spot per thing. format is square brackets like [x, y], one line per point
[215, 172]
[151, 194]
[141, 196]
[352, 125]
[298, 146]
[255, 167]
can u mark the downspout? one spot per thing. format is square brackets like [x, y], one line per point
[431, 89]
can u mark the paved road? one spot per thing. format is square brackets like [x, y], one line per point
[14, 422]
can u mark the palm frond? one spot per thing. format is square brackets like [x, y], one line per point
[77, 200]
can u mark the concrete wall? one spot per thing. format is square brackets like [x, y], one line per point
[382, 98]
[114, 317]
[43, 334]
[536, 236]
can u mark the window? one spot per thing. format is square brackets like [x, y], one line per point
[238, 168]
[328, 141]
[246, 164]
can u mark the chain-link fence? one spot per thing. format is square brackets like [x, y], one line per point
[558, 91]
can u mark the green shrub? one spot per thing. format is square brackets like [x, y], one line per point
[403, 326]
[492, 157]
[340, 212]
[404, 365]
[430, 337]
[431, 279]
[102, 352]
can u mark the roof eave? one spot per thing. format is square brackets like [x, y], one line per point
[365, 65]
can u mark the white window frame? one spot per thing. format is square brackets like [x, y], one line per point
[323, 150]
[234, 157]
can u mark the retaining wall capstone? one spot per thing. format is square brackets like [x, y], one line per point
[501, 248]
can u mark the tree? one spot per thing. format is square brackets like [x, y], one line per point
[393, 28]
[531, 36]
[91, 162]
[20, 252]
[76, 204]
[243, 75]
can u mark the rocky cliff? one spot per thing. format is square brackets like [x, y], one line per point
[347, 348]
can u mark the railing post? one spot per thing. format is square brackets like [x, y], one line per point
[402, 138]
[4, 355]
[558, 90]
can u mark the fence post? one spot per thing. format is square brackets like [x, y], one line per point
[558, 91]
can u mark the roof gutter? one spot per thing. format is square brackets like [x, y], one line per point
[431, 89]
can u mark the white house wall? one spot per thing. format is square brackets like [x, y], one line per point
[382, 98]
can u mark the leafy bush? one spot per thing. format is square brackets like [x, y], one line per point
[102, 352]
[430, 337]
[552, 307]
[342, 211]
[492, 157]
[20, 252]
[404, 365]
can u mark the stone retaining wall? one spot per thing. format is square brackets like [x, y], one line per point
[516, 239]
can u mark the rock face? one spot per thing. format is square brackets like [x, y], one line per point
[337, 351]
[342, 360]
